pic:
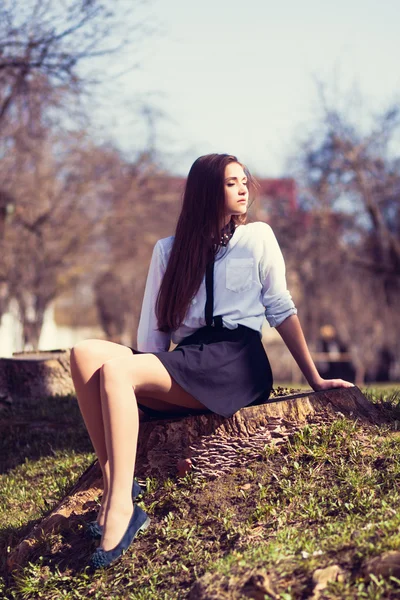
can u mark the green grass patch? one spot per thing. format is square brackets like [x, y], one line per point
[329, 495]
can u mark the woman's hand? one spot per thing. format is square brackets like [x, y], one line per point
[328, 384]
[292, 334]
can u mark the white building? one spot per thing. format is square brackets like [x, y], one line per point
[52, 337]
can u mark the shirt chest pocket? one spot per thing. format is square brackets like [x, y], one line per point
[239, 274]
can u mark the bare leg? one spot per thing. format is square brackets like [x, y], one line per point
[119, 376]
[121, 427]
[87, 357]
[95, 366]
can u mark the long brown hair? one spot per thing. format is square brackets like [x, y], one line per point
[197, 237]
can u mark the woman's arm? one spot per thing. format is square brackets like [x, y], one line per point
[149, 338]
[292, 334]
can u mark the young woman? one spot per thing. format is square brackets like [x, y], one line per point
[208, 289]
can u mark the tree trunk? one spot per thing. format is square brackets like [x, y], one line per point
[31, 330]
[211, 444]
[35, 375]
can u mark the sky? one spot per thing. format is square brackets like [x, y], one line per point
[240, 77]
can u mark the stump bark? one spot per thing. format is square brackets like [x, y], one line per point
[35, 375]
[214, 445]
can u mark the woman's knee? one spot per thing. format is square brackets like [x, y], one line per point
[115, 370]
[140, 372]
[81, 352]
[97, 352]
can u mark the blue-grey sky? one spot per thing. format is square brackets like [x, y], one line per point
[239, 77]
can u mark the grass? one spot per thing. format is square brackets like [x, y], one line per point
[329, 495]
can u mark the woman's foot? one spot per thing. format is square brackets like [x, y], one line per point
[116, 524]
[94, 529]
[139, 521]
[101, 517]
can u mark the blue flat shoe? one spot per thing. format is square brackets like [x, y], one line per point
[94, 530]
[103, 558]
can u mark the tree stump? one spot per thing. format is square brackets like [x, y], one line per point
[213, 444]
[35, 375]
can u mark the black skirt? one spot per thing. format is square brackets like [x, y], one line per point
[224, 369]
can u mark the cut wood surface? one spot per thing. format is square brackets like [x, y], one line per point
[214, 445]
[35, 375]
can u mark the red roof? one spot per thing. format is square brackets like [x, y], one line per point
[279, 189]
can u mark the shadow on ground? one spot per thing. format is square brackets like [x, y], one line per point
[34, 429]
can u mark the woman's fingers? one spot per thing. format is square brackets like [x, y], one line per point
[335, 383]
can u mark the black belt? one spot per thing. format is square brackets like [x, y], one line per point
[211, 321]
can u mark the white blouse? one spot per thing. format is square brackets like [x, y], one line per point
[249, 282]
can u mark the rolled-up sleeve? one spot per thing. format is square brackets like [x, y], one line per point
[149, 339]
[275, 296]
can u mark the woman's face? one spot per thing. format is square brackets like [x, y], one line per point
[236, 191]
